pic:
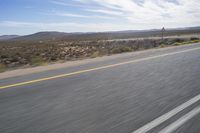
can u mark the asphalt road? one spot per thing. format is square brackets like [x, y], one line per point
[151, 91]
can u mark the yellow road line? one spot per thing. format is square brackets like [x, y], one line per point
[94, 69]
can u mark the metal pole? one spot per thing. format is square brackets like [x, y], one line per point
[163, 30]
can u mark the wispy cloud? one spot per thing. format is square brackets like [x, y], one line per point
[66, 4]
[67, 14]
[171, 13]
[105, 11]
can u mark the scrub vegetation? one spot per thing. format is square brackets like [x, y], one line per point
[15, 53]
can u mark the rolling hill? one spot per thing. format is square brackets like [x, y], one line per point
[62, 36]
[7, 37]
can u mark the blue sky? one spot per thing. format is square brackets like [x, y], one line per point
[30, 16]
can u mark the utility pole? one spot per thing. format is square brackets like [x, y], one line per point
[163, 31]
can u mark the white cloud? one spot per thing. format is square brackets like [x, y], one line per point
[104, 11]
[69, 15]
[66, 14]
[145, 13]
[62, 3]
[155, 13]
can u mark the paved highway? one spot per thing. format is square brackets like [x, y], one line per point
[155, 91]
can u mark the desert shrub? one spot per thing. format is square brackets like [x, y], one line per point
[36, 61]
[95, 54]
[171, 42]
[4, 56]
[186, 42]
[121, 50]
[195, 41]
[179, 40]
[162, 45]
[194, 38]
[53, 58]
[115, 50]
[2, 67]
[126, 49]
[177, 44]
[163, 41]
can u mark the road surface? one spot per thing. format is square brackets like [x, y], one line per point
[151, 91]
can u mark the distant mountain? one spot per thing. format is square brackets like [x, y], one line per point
[49, 36]
[7, 37]
[41, 36]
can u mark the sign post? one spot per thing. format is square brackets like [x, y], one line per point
[163, 31]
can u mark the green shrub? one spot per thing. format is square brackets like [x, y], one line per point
[179, 40]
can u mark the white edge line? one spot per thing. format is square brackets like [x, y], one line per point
[175, 125]
[166, 116]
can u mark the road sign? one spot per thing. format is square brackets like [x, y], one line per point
[163, 31]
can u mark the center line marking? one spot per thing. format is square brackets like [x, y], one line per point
[166, 116]
[94, 69]
[175, 125]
